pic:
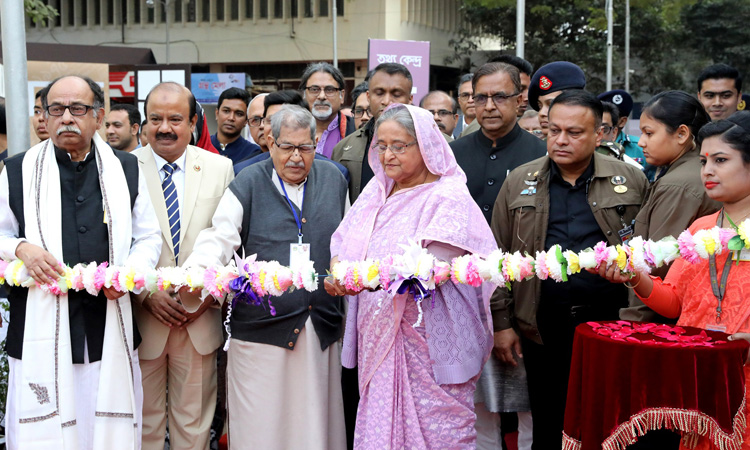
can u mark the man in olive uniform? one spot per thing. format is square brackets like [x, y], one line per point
[576, 198]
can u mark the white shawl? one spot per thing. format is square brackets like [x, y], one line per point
[47, 416]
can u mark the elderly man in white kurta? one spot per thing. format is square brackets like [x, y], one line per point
[74, 378]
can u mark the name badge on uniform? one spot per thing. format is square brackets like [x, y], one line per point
[716, 327]
[298, 254]
[625, 234]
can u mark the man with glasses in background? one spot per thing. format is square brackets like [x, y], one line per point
[324, 89]
[360, 105]
[487, 157]
[466, 104]
[444, 109]
[255, 119]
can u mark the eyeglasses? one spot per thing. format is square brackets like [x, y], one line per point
[289, 148]
[329, 90]
[75, 109]
[498, 99]
[442, 113]
[359, 112]
[255, 121]
[464, 95]
[397, 148]
[607, 129]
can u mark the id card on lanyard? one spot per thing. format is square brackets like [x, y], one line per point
[299, 253]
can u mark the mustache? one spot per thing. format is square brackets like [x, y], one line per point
[68, 129]
[441, 126]
[322, 103]
[300, 164]
[171, 136]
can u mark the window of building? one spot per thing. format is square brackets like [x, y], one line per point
[340, 8]
[206, 11]
[323, 8]
[264, 9]
[220, 10]
[248, 9]
[190, 11]
[278, 9]
[84, 13]
[111, 12]
[308, 8]
[235, 5]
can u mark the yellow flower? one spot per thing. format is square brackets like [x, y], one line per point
[355, 276]
[372, 272]
[622, 258]
[573, 264]
[276, 282]
[130, 280]
[744, 231]
[709, 243]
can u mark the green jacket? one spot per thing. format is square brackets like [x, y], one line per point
[519, 223]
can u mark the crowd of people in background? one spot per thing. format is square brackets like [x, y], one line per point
[513, 158]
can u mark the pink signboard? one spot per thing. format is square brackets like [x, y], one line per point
[415, 55]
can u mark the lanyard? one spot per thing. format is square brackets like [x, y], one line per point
[719, 288]
[294, 211]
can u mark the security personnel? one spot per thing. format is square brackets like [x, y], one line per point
[576, 198]
[550, 81]
[624, 103]
[610, 130]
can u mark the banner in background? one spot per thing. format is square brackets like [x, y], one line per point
[415, 55]
[207, 87]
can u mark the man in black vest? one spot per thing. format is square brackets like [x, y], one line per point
[91, 206]
[283, 367]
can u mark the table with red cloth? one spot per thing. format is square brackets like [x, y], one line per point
[627, 378]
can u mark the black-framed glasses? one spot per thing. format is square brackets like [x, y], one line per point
[397, 147]
[464, 95]
[359, 112]
[255, 121]
[75, 109]
[442, 113]
[330, 91]
[289, 148]
[607, 129]
[498, 99]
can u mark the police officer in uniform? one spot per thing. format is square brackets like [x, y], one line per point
[576, 198]
[624, 103]
[550, 81]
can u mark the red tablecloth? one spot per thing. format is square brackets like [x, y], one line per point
[627, 378]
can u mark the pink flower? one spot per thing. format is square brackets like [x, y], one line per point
[101, 276]
[601, 253]
[542, 271]
[472, 274]
[687, 247]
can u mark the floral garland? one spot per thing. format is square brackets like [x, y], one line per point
[416, 271]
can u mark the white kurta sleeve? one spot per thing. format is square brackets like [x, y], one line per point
[8, 224]
[215, 246]
[146, 247]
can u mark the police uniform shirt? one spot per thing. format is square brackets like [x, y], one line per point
[572, 225]
[486, 166]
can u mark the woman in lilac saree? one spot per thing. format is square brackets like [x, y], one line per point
[416, 378]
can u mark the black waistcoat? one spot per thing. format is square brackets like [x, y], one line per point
[85, 239]
[268, 227]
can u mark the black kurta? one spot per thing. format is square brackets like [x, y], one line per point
[486, 167]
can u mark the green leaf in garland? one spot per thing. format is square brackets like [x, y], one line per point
[563, 262]
[507, 285]
[736, 243]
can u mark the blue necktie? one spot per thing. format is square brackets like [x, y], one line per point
[173, 206]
